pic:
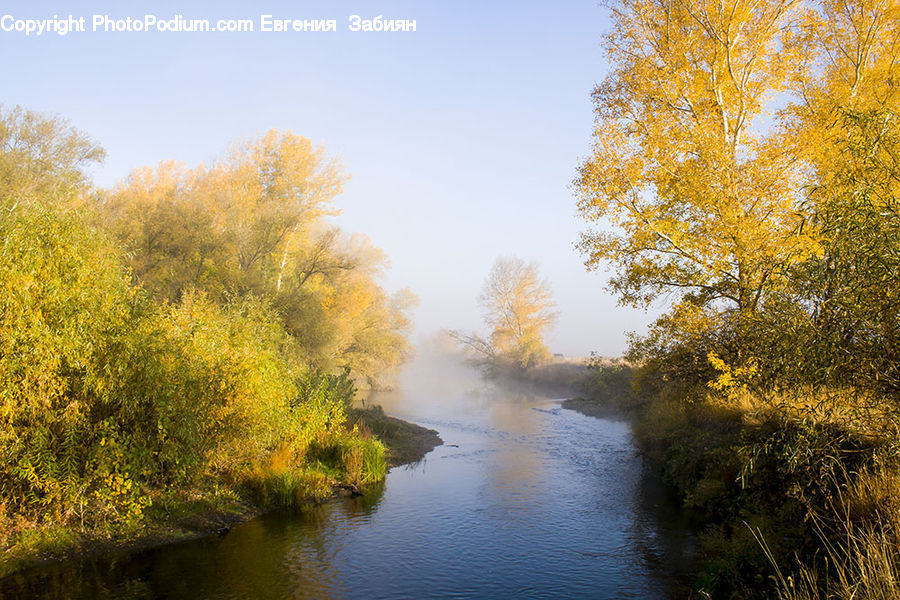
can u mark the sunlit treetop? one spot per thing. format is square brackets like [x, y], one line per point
[43, 158]
[687, 189]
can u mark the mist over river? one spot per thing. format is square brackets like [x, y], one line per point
[524, 500]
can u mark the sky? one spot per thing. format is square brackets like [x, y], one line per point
[461, 138]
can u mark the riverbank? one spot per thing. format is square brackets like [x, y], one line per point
[593, 408]
[522, 496]
[206, 512]
[556, 378]
[791, 495]
[407, 443]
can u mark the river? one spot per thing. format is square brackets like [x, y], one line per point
[525, 499]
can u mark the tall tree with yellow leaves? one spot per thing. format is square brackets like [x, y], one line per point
[228, 227]
[274, 186]
[253, 225]
[851, 65]
[688, 192]
[43, 158]
[846, 124]
[518, 307]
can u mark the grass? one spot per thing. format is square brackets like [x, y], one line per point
[344, 460]
[405, 442]
[861, 548]
[201, 511]
[289, 488]
[34, 544]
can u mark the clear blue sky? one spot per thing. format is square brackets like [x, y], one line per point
[461, 138]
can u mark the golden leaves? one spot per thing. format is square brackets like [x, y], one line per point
[691, 193]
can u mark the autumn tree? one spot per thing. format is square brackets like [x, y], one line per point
[253, 225]
[776, 230]
[847, 125]
[273, 187]
[850, 64]
[227, 227]
[518, 310]
[851, 293]
[134, 374]
[333, 305]
[42, 157]
[835, 321]
[169, 221]
[689, 193]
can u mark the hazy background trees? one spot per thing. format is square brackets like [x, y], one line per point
[518, 310]
[252, 224]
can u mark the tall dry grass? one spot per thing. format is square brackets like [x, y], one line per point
[860, 538]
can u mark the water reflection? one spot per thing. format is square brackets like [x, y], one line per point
[524, 500]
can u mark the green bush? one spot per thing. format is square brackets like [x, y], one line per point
[104, 396]
[66, 312]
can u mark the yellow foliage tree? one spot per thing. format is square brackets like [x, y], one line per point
[518, 308]
[253, 225]
[274, 186]
[690, 193]
[851, 64]
[228, 227]
[42, 157]
[332, 304]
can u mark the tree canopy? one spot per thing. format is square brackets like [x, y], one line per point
[253, 224]
[689, 193]
[518, 310]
